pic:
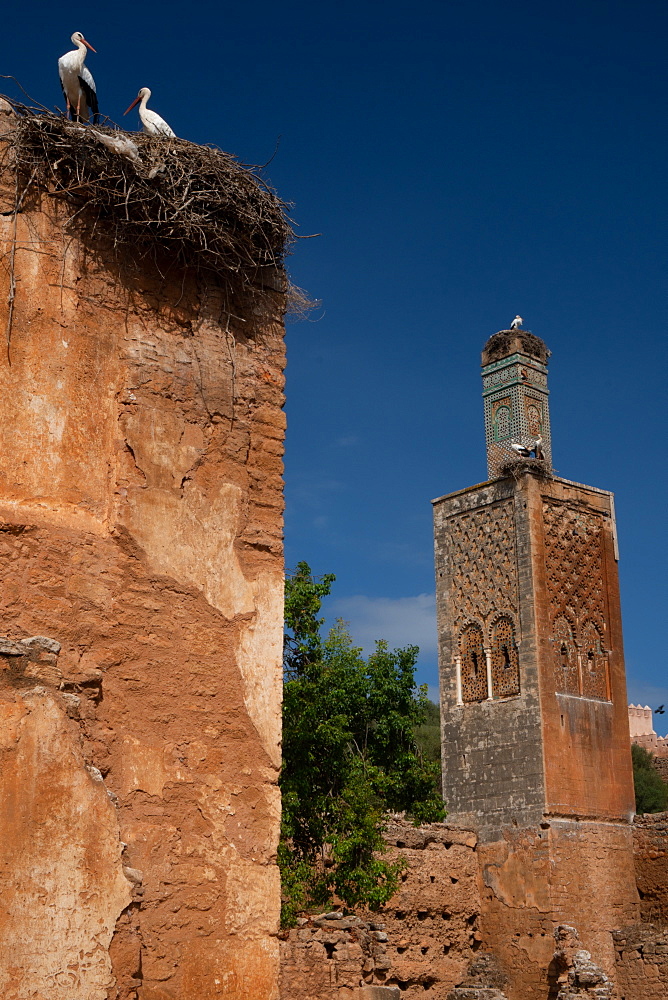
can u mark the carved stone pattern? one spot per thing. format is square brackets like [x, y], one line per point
[505, 659]
[574, 560]
[481, 553]
[566, 676]
[473, 664]
[594, 663]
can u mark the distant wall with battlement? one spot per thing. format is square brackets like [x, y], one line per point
[641, 725]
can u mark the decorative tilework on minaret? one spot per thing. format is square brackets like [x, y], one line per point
[514, 378]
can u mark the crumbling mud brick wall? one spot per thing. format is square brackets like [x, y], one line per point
[141, 584]
[650, 842]
[642, 962]
[580, 870]
[328, 956]
[421, 942]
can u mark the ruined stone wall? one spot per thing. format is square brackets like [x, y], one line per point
[563, 873]
[642, 962]
[650, 842]
[140, 538]
[420, 943]
[478, 921]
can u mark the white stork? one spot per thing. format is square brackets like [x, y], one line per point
[536, 451]
[152, 122]
[517, 323]
[77, 82]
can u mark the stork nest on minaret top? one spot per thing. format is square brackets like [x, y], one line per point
[152, 197]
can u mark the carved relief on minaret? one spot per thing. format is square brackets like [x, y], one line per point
[484, 601]
[575, 581]
[505, 658]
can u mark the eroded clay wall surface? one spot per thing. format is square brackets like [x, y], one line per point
[579, 873]
[420, 943]
[140, 536]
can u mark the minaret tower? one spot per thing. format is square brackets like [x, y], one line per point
[535, 737]
[514, 379]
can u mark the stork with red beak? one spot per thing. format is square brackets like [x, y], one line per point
[77, 82]
[152, 122]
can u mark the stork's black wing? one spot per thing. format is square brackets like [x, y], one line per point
[88, 88]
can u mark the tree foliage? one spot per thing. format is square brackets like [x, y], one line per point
[349, 757]
[428, 736]
[650, 788]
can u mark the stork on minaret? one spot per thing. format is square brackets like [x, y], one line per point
[77, 82]
[517, 323]
[535, 451]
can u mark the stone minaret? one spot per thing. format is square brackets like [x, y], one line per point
[536, 753]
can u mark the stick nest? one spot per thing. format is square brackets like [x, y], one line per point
[161, 198]
[501, 344]
[516, 467]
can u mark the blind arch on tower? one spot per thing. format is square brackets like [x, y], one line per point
[594, 662]
[502, 421]
[473, 664]
[566, 673]
[505, 658]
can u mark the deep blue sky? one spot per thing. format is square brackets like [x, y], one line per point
[463, 162]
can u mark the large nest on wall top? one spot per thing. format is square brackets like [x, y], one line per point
[157, 198]
[501, 344]
[516, 467]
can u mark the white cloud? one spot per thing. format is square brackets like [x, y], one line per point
[401, 621]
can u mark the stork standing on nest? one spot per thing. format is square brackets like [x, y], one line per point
[152, 122]
[517, 323]
[535, 452]
[77, 82]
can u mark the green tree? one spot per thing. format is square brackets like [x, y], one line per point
[651, 790]
[349, 757]
[428, 736]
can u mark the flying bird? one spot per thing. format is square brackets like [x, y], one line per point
[660, 710]
[153, 123]
[517, 323]
[77, 82]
